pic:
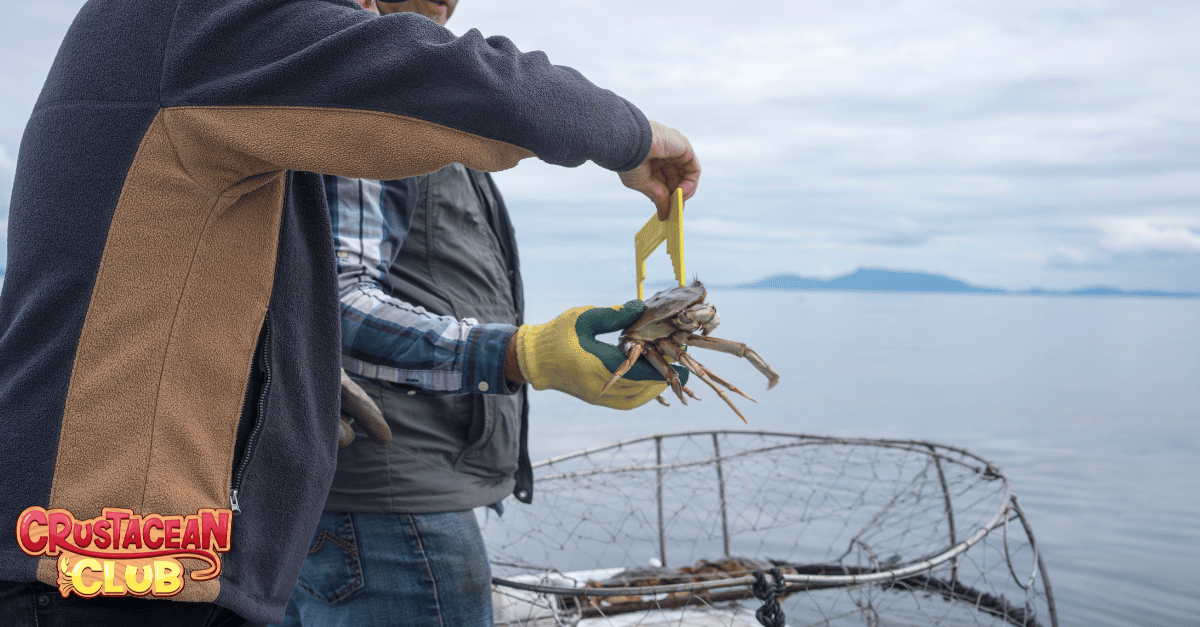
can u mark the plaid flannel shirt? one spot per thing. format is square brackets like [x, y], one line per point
[385, 338]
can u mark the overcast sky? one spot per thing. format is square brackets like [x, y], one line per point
[1012, 144]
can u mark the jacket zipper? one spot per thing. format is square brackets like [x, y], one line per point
[252, 439]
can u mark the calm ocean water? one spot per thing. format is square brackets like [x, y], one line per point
[1090, 406]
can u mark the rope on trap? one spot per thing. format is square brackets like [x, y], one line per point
[770, 614]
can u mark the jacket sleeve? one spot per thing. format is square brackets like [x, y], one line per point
[321, 85]
[385, 338]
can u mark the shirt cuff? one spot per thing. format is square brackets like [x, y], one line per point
[483, 365]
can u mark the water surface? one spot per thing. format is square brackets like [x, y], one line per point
[1090, 406]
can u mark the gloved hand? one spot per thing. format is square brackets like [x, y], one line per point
[356, 405]
[565, 355]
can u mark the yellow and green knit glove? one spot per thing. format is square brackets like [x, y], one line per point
[565, 355]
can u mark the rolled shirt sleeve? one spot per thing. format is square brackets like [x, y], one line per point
[385, 338]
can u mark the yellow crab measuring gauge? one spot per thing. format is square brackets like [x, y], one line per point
[656, 232]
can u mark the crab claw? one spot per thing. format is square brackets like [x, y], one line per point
[734, 348]
[357, 406]
[345, 433]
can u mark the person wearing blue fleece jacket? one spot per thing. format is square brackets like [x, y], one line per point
[169, 334]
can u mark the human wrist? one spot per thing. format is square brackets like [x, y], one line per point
[512, 367]
[485, 359]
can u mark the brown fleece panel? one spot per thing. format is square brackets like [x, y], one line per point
[200, 400]
[166, 347]
[162, 362]
[221, 145]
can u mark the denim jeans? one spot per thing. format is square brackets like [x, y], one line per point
[415, 570]
[39, 605]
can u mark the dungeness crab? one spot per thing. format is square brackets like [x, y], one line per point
[665, 330]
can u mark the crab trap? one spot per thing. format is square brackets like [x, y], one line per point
[743, 528]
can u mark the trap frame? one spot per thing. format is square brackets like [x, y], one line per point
[701, 528]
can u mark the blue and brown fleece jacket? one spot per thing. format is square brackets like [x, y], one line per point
[169, 318]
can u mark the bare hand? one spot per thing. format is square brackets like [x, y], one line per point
[671, 164]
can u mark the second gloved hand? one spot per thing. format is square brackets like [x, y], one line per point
[565, 355]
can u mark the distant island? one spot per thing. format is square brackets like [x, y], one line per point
[876, 280]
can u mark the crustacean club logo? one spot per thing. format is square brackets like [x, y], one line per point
[122, 554]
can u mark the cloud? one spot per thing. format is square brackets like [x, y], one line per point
[1010, 143]
[3, 245]
[1145, 237]
[8, 168]
[1123, 248]
[896, 231]
[1072, 257]
[8, 165]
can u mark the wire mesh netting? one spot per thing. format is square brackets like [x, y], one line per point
[742, 528]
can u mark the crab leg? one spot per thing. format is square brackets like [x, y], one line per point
[723, 381]
[674, 351]
[669, 374]
[701, 371]
[635, 351]
[735, 348]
